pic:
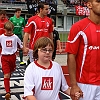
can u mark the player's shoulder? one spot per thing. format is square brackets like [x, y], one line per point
[2, 35]
[48, 18]
[81, 24]
[21, 17]
[15, 36]
[31, 67]
[33, 18]
[55, 63]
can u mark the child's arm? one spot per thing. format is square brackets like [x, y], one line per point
[20, 45]
[67, 91]
[31, 97]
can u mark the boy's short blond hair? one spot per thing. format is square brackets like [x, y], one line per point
[8, 25]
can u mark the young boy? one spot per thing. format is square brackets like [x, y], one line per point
[44, 78]
[9, 43]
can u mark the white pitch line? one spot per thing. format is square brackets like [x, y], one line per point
[13, 78]
[15, 90]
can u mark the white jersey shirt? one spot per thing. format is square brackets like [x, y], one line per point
[9, 44]
[44, 84]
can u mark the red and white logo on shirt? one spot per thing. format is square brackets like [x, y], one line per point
[9, 43]
[47, 83]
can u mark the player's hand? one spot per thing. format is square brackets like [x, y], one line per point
[76, 93]
[25, 50]
[60, 50]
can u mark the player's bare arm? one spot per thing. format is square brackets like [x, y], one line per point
[59, 46]
[51, 36]
[72, 73]
[25, 40]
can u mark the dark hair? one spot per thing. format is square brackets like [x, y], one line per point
[3, 12]
[8, 25]
[41, 43]
[17, 9]
[41, 5]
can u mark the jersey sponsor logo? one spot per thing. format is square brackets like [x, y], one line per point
[47, 83]
[42, 30]
[94, 47]
[9, 43]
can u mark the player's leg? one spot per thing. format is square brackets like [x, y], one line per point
[7, 86]
[89, 91]
[6, 71]
[8, 66]
[21, 51]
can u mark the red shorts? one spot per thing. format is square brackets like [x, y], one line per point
[8, 63]
[0, 50]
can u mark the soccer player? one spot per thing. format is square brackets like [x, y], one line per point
[3, 20]
[9, 43]
[83, 48]
[19, 23]
[38, 26]
[44, 78]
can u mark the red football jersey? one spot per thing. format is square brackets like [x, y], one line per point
[2, 22]
[84, 42]
[38, 27]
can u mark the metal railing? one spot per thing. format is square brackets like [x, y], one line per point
[11, 5]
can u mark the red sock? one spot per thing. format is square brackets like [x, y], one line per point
[7, 84]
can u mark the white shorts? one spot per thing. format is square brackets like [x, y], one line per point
[90, 92]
